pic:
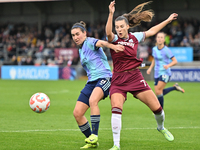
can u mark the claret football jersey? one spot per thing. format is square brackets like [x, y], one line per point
[127, 59]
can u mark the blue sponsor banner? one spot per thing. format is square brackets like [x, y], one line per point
[182, 54]
[29, 72]
[191, 75]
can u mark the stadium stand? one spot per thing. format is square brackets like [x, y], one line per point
[23, 42]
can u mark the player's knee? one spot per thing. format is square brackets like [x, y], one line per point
[77, 114]
[117, 104]
[159, 92]
[93, 102]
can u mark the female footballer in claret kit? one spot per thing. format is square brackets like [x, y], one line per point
[126, 75]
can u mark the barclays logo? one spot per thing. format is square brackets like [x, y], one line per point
[29, 73]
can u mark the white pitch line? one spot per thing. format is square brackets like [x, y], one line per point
[54, 130]
[167, 128]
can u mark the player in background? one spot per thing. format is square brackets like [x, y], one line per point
[127, 77]
[162, 57]
[94, 61]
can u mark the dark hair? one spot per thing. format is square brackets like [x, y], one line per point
[122, 18]
[81, 25]
[134, 17]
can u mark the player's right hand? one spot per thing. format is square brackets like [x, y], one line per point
[112, 7]
[148, 71]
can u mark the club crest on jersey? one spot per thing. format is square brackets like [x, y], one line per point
[131, 40]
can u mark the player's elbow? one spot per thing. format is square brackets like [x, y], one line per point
[175, 62]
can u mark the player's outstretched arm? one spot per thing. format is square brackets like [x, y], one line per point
[155, 29]
[116, 48]
[109, 32]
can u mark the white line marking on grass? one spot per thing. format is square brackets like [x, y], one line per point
[167, 128]
[42, 130]
[54, 130]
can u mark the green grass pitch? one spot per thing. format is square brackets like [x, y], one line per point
[56, 129]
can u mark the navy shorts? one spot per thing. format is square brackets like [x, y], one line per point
[103, 83]
[163, 78]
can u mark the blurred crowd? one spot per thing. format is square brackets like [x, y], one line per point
[24, 44]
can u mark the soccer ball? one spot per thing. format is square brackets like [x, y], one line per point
[39, 102]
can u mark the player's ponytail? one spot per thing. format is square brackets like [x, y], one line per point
[81, 25]
[137, 15]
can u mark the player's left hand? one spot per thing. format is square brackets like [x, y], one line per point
[172, 17]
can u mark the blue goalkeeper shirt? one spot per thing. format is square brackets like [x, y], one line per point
[162, 57]
[94, 60]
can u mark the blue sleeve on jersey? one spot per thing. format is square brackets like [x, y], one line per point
[96, 48]
[115, 38]
[171, 57]
[92, 43]
[140, 36]
[169, 53]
